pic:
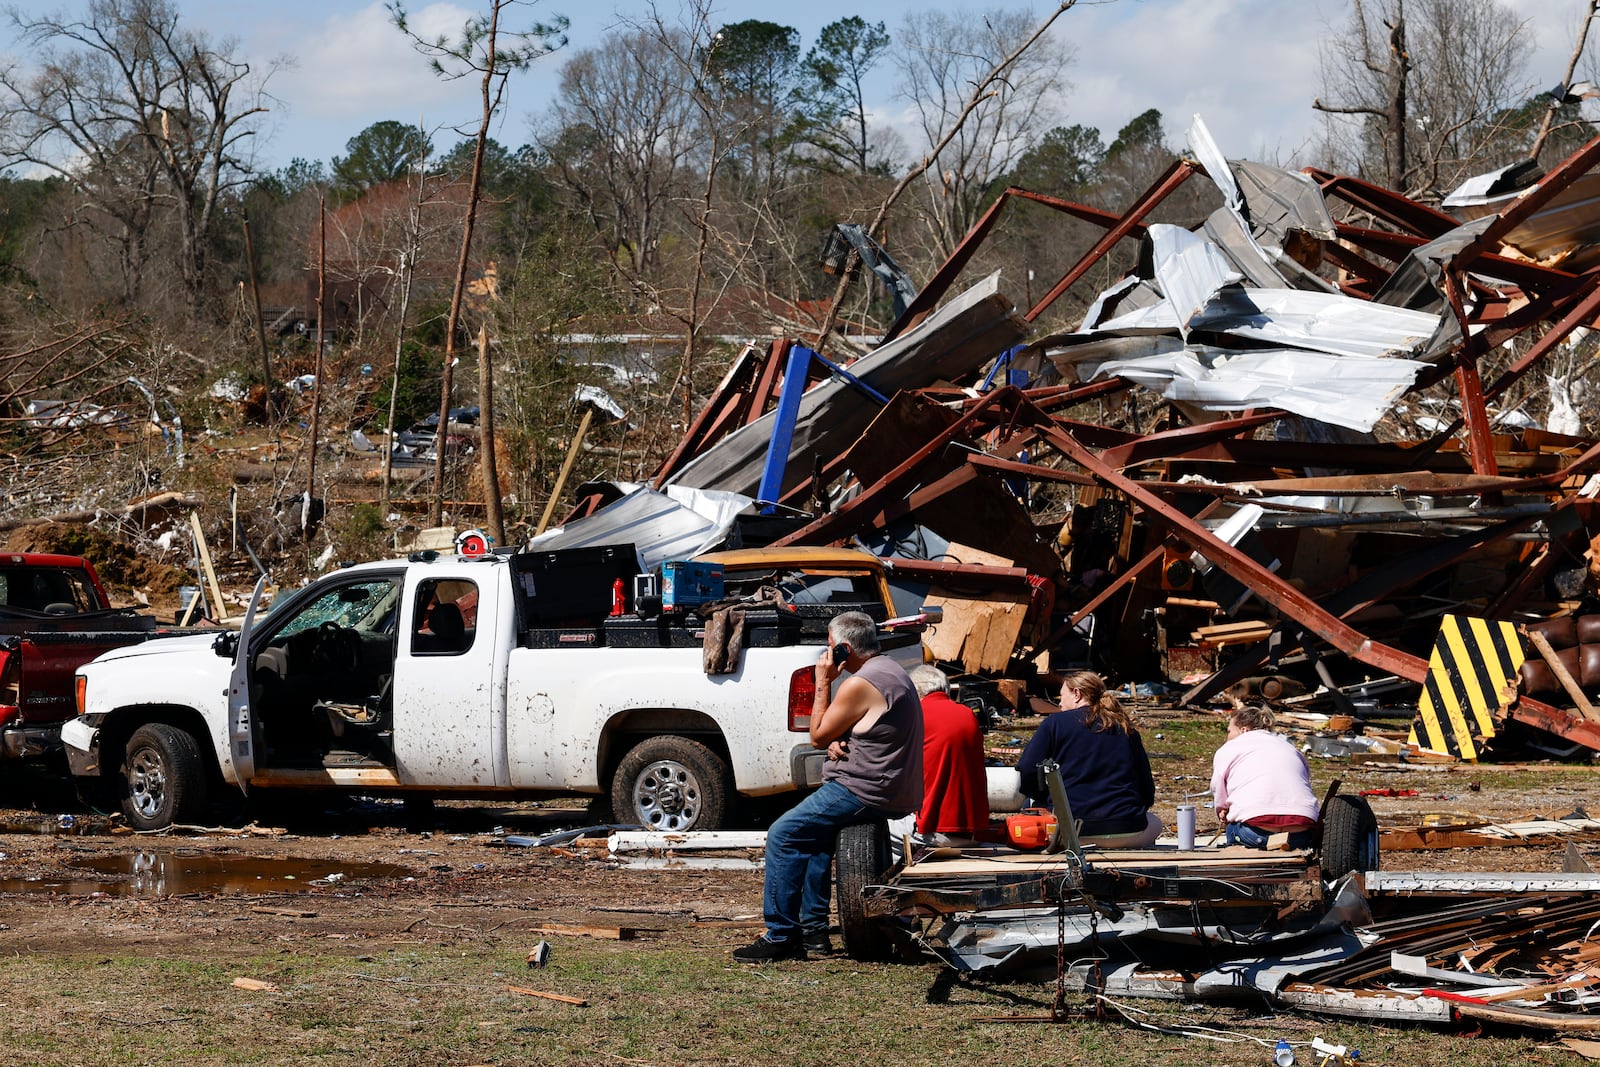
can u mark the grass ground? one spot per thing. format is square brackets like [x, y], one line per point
[660, 1002]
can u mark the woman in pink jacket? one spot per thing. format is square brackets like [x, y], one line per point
[1262, 783]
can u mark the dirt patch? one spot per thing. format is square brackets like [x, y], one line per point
[122, 567]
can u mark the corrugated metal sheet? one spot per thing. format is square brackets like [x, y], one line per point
[1352, 391]
[961, 336]
[660, 526]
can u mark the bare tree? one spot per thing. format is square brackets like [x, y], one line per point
[981, 89]
[142, 117]
[1434, 87]
[483, 48]
[621, 138]
[940, 57]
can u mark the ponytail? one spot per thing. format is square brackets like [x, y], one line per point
[1102, 710]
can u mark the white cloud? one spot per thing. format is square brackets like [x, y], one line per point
[1249, 67]
[359, 68]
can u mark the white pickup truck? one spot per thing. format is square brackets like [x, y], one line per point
[500, 675]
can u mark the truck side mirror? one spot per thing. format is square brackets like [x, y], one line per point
[226, 644]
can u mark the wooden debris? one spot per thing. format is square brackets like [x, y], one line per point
[609, 933]
[542, 995]
[1588, 1048]
[255, 985]
[288, 913]
[1475, 833]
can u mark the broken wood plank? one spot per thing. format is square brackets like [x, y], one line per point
[288, 913]
[608, 933]
[542, 995]
[255, 985]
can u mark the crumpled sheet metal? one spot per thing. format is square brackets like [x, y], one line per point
[963, 335]
[676, 524]
[1349, 391]
[1263, 207]
[1332, 357]
[1565, 233]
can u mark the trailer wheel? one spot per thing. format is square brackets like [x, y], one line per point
[673, 784]
[860, 860]
[163, 778]
[1349, 837]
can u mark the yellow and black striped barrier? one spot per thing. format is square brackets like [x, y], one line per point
[1472, 674]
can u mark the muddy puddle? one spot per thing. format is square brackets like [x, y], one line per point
[154, 874]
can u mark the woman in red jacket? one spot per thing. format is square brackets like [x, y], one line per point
[955, 788]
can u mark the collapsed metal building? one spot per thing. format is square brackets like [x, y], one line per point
[1262, 529]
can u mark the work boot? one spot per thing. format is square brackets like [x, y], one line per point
[765, 950]
[817, 943]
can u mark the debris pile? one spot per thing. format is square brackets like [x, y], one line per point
[1292, 450]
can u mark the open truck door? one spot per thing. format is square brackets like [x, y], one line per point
[241, 723]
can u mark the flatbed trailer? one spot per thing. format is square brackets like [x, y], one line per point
[938, 899]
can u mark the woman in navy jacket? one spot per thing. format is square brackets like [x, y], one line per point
[1103, 765]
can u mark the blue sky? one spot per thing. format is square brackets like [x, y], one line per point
[1248, 66]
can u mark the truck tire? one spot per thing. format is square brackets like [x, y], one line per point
[859, 861]
[673, 784]
[163, 777]
[1349, 837]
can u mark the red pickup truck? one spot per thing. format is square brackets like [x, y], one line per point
[54, 617]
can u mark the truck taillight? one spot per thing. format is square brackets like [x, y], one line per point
[10, 686]
[80, 685]
[802, 694]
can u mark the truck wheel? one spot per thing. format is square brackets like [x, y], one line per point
[163, 779]
[672, 783]
[860, 860]
[1349, 837]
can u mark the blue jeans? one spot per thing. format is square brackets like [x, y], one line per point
[800, 847]
[1242, 833]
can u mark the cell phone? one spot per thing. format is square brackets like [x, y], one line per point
[840, 654]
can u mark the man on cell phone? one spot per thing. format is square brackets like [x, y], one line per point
[872, 729]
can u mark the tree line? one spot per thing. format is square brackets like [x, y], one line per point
[680, 184]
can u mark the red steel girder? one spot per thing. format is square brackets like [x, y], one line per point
[1394, 208]
[1264, 583]
[726, 405]
[837, 524]
[1368, 589]
[1176, 174]
[1396, 246]
[1558, 721]
[939, 284]
[1157, 446]
[1585, 312]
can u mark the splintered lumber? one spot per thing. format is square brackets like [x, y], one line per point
[1232, 633]
[288, 913]
[542, 995]
[609, 933]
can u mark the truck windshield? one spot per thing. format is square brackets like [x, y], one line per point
[369, 606]
[54, 590]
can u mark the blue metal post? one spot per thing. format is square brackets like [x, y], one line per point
[788, 413]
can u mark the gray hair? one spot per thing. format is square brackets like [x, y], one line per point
[928, 679]
[856, 629]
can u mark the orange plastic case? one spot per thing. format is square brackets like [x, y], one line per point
[1030, 829]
